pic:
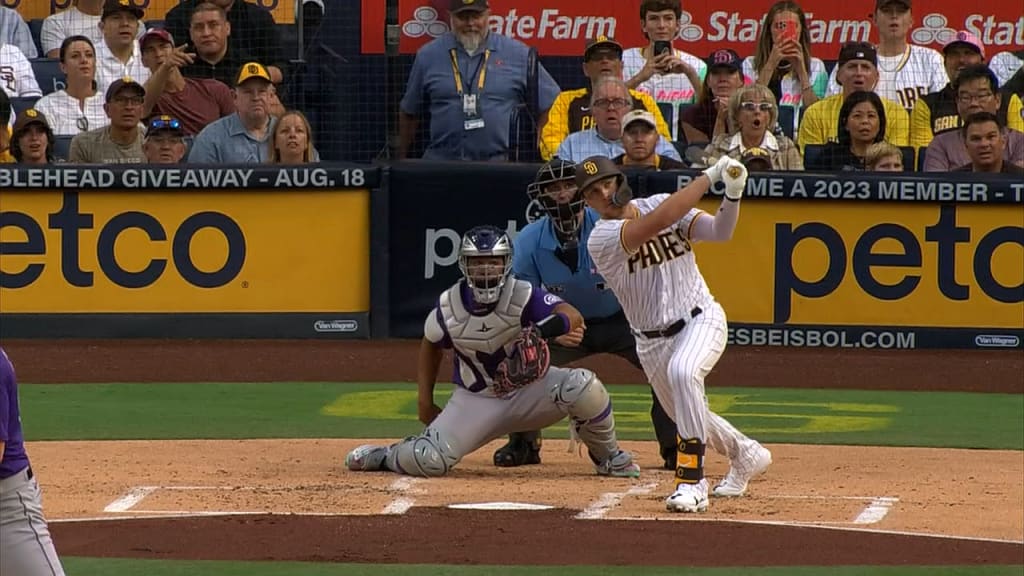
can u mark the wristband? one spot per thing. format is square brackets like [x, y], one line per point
[553, 326]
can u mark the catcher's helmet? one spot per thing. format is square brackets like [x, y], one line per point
[563, 209]
[485, 279]
[598, 168]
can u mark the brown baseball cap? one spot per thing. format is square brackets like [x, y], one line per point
[125, 83]
[601, 42]
[593, 169]
[464, 5]
[756, 158]
[27, 118]
[114, 6]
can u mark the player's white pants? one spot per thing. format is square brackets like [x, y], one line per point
[676, 368]
[25, 545]
[470, 420]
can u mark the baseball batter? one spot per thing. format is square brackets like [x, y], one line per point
[644, 250]
[25, 545]
[496, 327]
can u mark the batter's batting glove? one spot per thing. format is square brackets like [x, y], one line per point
[714, 172]
[735, 177]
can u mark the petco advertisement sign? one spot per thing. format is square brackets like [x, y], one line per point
[561, 28]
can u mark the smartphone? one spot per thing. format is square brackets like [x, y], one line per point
[662, 46]
[788, 31]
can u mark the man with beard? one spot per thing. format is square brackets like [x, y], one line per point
[473, 80]
[571, 113]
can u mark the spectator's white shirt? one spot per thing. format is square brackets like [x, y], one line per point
[674, 89]
[65, 113]
[1005, 65]
[71, 22]
[109, 68]
[905, 78]
[16, 75]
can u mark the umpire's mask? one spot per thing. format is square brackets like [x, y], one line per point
[554, 188]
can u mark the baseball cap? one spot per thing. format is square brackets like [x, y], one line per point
[252, 70]
[756, 158]
[114, 6]
[966, 38]
[880, 4]
[725, 58]
[156, 33]
[121, 84]
[639, 116]
[601, 42]
[164, 123]
[858, 51]
[463, 5]
[27, 118]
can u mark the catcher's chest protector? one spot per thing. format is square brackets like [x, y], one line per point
[485, 334]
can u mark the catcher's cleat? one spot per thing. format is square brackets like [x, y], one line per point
[620, 465]
[523, 448]
[689, 498]
[367, 457]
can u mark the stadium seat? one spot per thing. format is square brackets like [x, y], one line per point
[813, 156]
[62, 147]
[150, 24]
[920, 158]
[19, 105]
[48, 74]
[35, 27]
[668, 113]
[787, 120]
[909, 153]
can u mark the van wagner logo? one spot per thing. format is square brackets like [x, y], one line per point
[335, 326]
[996, 341]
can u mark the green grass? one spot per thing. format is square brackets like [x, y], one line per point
[345, 410]
[128, 567]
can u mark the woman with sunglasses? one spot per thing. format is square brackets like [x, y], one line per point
[79, 106]
[752, 113]
[861, 124]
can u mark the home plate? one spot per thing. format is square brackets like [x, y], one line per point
[500, 506]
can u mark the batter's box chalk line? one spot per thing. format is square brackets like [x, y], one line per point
[609, 500]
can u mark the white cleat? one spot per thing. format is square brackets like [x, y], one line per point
[752, 461]
[689, 498]
[367, 457]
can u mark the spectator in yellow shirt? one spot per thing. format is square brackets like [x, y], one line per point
[857, 71]
[571, 110]
[937, 112]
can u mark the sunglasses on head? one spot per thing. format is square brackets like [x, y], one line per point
[753, 106]
[164, 123]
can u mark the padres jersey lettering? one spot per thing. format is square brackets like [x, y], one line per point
[905, 78]
[662, 248]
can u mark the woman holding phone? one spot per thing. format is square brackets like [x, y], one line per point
[783, 60]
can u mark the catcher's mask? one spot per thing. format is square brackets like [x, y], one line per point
[555, 189]
[598, 168]
[485, 259]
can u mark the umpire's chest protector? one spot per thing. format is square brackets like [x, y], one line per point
[488, 333]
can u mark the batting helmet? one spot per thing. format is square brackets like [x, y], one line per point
[485, 279]
[598, 168]
[563, 209]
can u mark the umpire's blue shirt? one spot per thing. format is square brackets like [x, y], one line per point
[535, 261]
[432, 82]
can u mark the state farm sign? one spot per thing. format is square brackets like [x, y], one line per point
[561, 28]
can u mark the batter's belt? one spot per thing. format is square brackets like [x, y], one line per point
[672, 329]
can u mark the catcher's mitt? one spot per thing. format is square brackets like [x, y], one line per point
[527, 363]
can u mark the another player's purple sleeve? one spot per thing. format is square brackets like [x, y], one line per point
[5, 401]
[541, 305]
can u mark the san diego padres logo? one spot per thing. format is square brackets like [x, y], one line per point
[254, 69]
[590, 167]
[734, 172]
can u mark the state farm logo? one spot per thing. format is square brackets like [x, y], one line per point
[935, 29]
[424, 23]
[687, 29]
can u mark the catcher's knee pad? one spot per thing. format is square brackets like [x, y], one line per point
[425, 455]
[580, 394]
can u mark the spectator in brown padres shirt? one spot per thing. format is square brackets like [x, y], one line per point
[121, 141]
[195, 101]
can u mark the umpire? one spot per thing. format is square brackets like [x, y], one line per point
[552, 251]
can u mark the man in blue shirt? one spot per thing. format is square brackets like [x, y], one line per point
[472, 80]
[552, 252]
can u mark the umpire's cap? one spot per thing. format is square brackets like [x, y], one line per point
[595, 168]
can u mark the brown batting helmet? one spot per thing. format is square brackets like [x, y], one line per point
[598, 168]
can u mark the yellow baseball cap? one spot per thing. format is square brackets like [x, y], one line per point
[252, 70]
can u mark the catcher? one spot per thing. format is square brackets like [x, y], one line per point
[497, 328]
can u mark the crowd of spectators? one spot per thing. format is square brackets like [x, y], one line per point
[206, 81]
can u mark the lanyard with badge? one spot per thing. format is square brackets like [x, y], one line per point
[473, 120]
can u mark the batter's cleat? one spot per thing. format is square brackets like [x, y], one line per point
[620, 465]
[752, 461]
[523, 448]
[368, 457]
[689, 498]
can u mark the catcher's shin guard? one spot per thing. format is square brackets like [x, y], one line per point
[523, 448]
[583, 397]
[428, 454]
[689, 461]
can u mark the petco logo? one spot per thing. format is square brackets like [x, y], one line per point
[424, 23]
[335, 326]
[996, 341]
[935, 29]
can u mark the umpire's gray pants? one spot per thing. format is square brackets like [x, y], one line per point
[25, 545]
